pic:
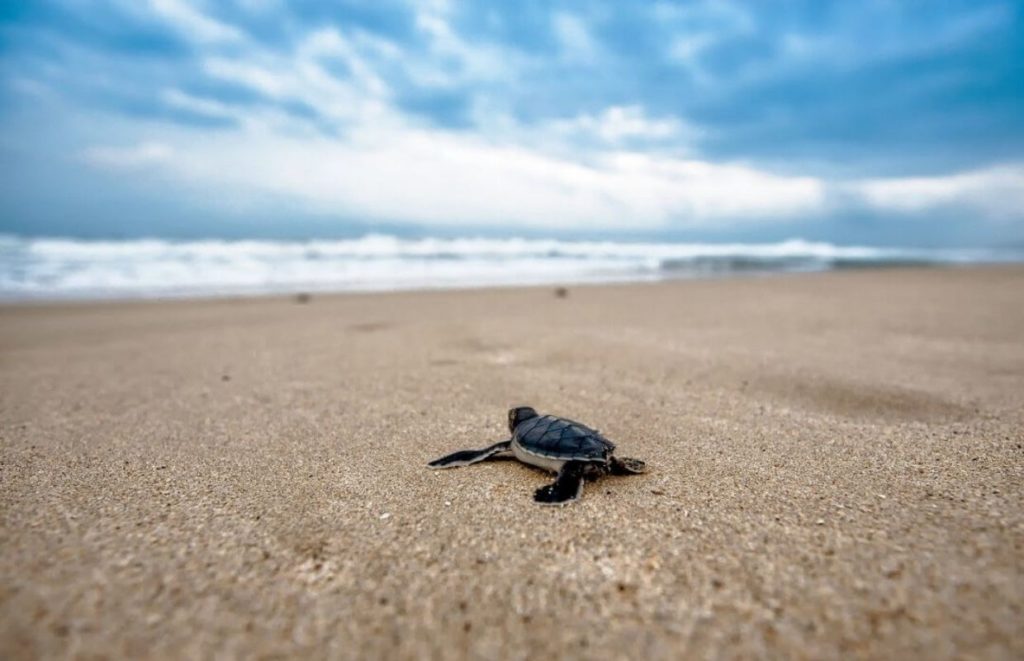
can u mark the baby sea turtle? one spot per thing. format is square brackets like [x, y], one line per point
[570, 449]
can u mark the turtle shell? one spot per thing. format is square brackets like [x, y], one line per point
[558, 438]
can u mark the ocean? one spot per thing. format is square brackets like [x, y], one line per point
[62, 269]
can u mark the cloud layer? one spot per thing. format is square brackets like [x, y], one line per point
[702, 117]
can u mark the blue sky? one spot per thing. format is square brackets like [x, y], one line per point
[856, 122]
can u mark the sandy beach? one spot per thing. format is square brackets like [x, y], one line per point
[836, 460]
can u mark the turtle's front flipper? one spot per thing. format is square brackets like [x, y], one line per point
[627, 466]
[567, 487]
[467, 457]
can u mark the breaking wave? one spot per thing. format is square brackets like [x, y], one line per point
[47, 268]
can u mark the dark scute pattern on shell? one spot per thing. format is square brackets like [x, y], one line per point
[555, 437]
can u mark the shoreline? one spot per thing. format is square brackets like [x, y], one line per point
[56, 301]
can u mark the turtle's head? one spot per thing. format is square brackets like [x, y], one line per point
[518, 414]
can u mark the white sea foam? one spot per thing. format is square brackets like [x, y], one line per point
[70, 268]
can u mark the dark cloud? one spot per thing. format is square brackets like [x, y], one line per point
[906, 84]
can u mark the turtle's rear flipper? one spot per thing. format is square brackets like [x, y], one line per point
[566, 488]
[467, 457]
[627, 466]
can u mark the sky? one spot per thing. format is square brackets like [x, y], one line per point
[871, 122]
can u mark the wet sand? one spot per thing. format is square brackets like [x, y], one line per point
[836, 460]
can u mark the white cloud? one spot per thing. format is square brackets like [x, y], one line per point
[995, 192]
[266, 82]
[303, 76]
[211, 108]
[702, 26]
[454, 60]
[577, 43]
[327, 44]
[447, 178]
[620, 122]
[686, 48]
[143, 154]
[699, 26]
[193, 23]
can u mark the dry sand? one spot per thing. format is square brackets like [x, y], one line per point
[836, 471]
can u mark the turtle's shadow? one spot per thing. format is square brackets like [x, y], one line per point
[538, 470]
